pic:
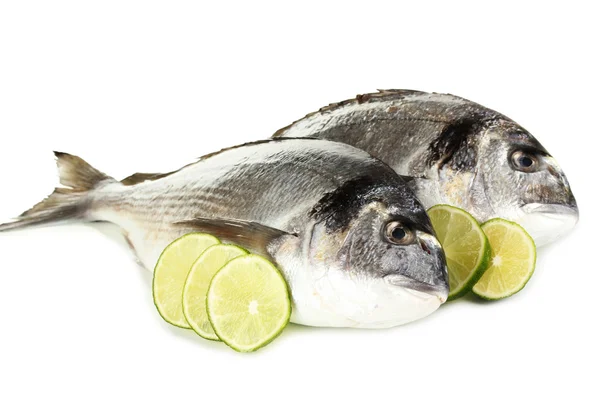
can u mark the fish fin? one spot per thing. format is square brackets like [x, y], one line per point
[380, 95]
[388, 94]
[252, 236]
[405, 92]
[68, 202]
[140, 177]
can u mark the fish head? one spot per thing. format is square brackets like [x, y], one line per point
[374, 257]
[522, 182]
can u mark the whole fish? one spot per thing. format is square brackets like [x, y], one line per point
[353, 242]
[456, 152]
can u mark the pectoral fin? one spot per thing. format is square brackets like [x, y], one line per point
[252, 236]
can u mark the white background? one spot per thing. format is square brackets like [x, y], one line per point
[148, 86]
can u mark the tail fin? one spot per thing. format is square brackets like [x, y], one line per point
[68, 202]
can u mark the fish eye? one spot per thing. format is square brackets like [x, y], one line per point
[524, 162]
[396, 233]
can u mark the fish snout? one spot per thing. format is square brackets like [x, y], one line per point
[550, 209]
[431, 278]
[418, 288]
[431, 246]
[546, 223]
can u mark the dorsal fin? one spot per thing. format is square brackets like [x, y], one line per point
[140, 177]
[380, 95]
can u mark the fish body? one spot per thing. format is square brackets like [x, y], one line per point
[455, 152]
[353, 242]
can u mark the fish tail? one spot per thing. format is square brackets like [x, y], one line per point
[66, 203]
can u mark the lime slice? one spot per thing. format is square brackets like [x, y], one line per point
[465, 245]
[248, 303]
[171, 271]
[196, 286]
[512, 262]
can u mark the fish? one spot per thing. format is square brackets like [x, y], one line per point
[454, 151]
[351, 239]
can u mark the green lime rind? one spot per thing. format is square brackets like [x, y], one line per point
[198, 281]
[157, 297]
[532, 263]
[475, 277]
[211, 313]
[482, 262]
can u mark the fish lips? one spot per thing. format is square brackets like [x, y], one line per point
[548, 222]
[417, 288]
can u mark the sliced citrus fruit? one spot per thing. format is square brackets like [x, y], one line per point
[197, 283]
[248, 303]
[466, 247]
[512, 262]
[171, 271]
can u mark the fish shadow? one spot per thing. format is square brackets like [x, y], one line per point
[192, 337]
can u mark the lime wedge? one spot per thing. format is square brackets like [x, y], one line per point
[196, 286]
[248, 303]
[171, 271]
[512, 262]
[465, 245]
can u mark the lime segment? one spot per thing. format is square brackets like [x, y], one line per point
[170, 274]
[248, 303]
[197, 283]
[512, 263]
[466, 247]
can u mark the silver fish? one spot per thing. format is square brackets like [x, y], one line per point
[456, 152]
[353, 242]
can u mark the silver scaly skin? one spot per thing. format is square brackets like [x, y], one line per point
[353, 242]
[456, 152]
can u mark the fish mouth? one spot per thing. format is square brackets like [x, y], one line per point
[418, 288]
[551, 209]
[548, 222]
